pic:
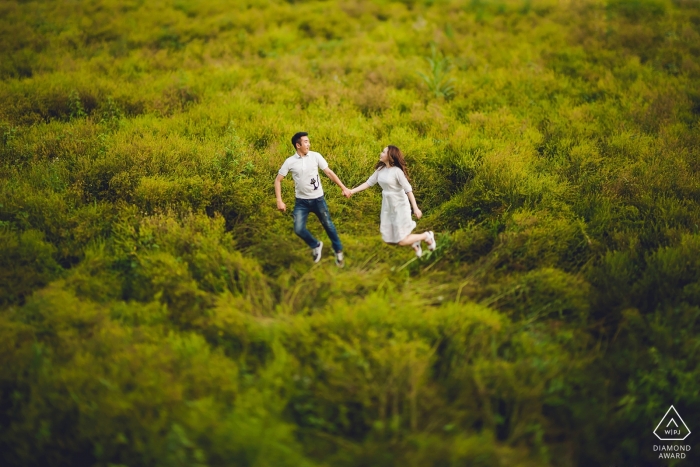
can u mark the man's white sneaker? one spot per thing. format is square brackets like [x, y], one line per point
[339, 259]
[316, 252]
[432, 244]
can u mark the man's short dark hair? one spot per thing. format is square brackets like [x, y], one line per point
[297, 137]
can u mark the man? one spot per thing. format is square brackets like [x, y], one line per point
[304, 166]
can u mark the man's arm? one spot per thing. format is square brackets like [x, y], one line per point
[278, 193]
[337, 181]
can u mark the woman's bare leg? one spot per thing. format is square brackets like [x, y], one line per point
[413, 238]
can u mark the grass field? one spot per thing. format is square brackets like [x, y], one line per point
[157, 310]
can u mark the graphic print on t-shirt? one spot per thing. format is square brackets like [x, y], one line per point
[314, 183]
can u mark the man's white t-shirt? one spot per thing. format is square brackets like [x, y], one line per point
[307, 183]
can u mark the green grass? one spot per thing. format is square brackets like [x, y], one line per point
[156, 309]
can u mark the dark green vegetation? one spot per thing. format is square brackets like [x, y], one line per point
[156, 310]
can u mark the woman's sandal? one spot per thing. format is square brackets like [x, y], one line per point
[416, 246]
[432, 244]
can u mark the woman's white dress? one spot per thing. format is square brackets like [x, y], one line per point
[396, 223]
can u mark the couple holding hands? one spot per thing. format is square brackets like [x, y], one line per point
[397, 198]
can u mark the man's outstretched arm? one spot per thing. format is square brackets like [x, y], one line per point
[278, 193]
[336, 180]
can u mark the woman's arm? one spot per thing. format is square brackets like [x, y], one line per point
[357, 189]
[417, 212]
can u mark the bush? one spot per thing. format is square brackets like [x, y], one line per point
[26, 264]
[156, 309]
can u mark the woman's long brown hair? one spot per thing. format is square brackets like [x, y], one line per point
[395, 159]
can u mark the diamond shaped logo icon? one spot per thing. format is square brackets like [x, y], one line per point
[672, 427]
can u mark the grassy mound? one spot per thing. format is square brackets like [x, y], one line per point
[156, 309]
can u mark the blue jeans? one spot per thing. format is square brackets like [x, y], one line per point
[302, 208]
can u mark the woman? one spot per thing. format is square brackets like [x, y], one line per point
[396, 223]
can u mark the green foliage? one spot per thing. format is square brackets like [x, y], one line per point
[26, 264]
[76, 106]
[638, 9]
[436, 78]
[155, 308]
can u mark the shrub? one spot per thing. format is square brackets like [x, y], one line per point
[26, 264]
[157, 310]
